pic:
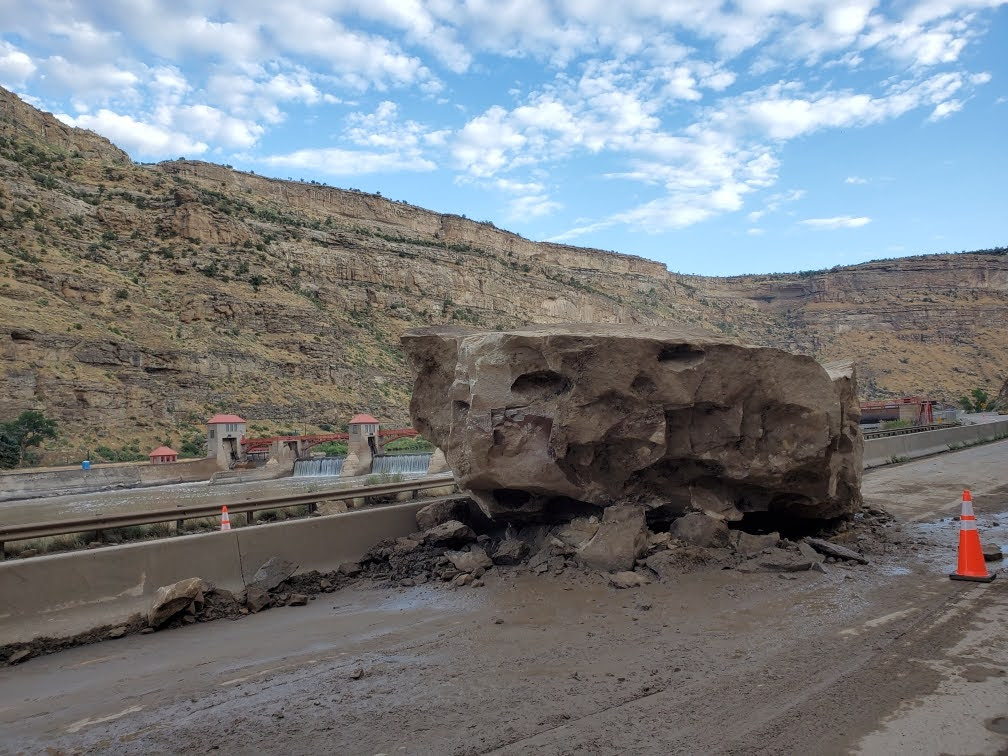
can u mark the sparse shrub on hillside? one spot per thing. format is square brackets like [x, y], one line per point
[980, 401]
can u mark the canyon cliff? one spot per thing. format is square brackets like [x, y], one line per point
[137, 299]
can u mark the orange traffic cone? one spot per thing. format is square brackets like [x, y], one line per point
[225, 524]
[971, 558]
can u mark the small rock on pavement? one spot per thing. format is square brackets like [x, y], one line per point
[470, 561]
[698, 529]
[117, 632]
[835, 550]
[462, 580]
[785, 561]
[273, 572]
[298, 599]
[19, 656]
[627, 579]
[357, 673]
[325, 584]
[256, 598]
[992, 552]
[169, 600]
[451, 532]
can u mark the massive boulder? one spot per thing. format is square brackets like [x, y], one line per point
[544, 421]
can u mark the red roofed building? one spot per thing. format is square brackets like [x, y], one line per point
[163, 454]
[224, 435]
[363, 437]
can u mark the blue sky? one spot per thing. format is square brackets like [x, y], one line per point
[742, 137]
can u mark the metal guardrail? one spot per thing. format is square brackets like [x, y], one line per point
[906, 430]
[178, 514]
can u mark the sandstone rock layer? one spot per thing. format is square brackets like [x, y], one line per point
[543, 421]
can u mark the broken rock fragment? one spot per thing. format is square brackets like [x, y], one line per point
[273, 572]
[621, 538]
[547, 422]
[170, 600]
[698, 529]
[470, 561]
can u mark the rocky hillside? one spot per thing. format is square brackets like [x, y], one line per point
[136, 299]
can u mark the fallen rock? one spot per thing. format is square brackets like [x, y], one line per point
[449, 533]
[627, 579]
[809, 553]
[273, 572]
[19, 656]
[784, 561]
[170, 600]
[672, 563]
[470, 561]
[992, 552]
[659, 540]
[578, 531]
[542, 422]
[298, 599]
[835, 550]
[511, 551]
[747, 544]
[117, 632]
[257, 598]
[621, 538]
[441, 512]
[350, 569]
[698, 529]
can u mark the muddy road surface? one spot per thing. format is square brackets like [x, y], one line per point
[889, 657]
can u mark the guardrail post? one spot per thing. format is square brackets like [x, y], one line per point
[250, 517]
[3, 551]
[178, 526]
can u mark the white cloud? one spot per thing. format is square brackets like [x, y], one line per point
[339, 162]
[855, 180]
[139, 138]
[945, 109]
[15, 66]
[839, 221]
[212, 125]
[756, 231]
[531, 206]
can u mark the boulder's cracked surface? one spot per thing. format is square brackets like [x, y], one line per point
[543, 421]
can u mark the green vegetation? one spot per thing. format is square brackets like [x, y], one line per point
[979, 403]
[30, 429]
[194, 445]
[417, 444]
[128, 452]
[892, 424]
[333, 448]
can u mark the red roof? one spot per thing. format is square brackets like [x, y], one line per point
[224, 419]
[163, 451]
[363, 419]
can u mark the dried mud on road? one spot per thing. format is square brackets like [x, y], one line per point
[710, 661]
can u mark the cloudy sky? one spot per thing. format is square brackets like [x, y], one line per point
[744, 136]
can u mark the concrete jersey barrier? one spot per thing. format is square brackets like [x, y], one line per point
[882, 451]
[65, 594]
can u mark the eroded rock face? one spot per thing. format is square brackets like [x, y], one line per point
[543, 421]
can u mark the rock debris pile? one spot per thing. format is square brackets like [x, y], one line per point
[547, 422]
[618, 545]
